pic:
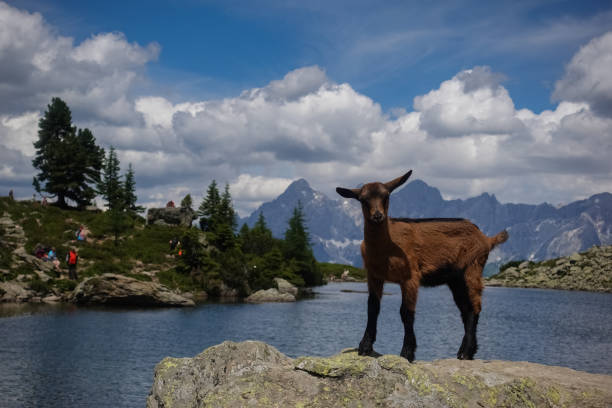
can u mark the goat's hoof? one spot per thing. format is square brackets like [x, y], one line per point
[464, 356]
[408, 355]
[365, 351]
[366, 348]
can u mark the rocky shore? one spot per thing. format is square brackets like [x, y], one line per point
[588, 271]
[255, 374]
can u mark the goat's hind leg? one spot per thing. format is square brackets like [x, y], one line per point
[467, 296]
[375, 289]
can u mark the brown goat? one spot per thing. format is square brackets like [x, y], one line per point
[414, 252]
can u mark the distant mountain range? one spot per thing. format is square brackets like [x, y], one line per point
[537, 232]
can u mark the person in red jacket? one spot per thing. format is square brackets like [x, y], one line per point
[71, 259]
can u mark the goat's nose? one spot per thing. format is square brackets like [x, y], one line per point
[378, 216]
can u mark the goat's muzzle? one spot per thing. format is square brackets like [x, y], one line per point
[378, 217]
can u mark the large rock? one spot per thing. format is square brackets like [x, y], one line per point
[270, 295]
[15, 292]
[256, 374]
[285, 287]
[112, 289]
[171, 216]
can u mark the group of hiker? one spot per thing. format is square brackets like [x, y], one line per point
[49, 254]
[175, 247]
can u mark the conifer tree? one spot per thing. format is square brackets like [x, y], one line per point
[113, 191]
[298, 250]
[68, 159]
[129, 192]
[259, 240]
[225, 222]
[227, 215]
[209, 208]
[187, 202]
[110, 187]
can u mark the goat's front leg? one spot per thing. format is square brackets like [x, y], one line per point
[409, 298]
[375, 289]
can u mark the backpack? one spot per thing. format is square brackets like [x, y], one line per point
[72, 258]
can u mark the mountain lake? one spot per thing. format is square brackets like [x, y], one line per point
[69, 356]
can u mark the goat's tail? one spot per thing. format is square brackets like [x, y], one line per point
[498, 239]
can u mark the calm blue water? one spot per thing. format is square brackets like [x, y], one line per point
[68, 356]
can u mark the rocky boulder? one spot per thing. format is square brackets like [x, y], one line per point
[15, 292]
[119, 290]
[284, 286]
[255, 374]
[270, 295]
[171, 216]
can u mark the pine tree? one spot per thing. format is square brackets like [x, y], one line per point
[129, 192]
[187, 202]
[297, 242]
[110, 187]
[298, 250]
[68, 160]
[225, 223]
[227, 215]
[112, 190]
[259, 241]
[89, 161]
[209, 209]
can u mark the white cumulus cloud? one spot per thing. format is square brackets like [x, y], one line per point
[588, 76]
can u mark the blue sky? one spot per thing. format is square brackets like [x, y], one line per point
[389, 51]
[242, 92]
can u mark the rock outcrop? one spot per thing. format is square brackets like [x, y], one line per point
[255, 374]
[591, 271]
[119, 290]
[269, 296]
[286, 287]
[284, 292]
[171, 216]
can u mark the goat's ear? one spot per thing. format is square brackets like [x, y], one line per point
[393, 184]
[348, 192]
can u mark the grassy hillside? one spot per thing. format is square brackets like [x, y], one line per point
[142, 251]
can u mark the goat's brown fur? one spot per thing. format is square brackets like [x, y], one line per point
[414, 252]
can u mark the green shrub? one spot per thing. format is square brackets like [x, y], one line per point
[105, 266]
[511, 264]
[65, 285]
[38, 286]
[174, 280]
[5, 257]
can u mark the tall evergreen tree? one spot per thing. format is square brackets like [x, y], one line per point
[297, 248]
[209, 209]
[68, 160]
[110, 187]
[259, 240]
[227, 214]
[129, 192]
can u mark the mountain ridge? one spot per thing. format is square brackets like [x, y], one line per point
[537, 231]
